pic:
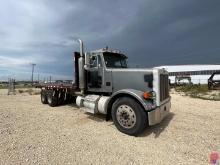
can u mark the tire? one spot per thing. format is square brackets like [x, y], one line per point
[52, 98]
[69, 99]
[210, 86]
[61, 98]
[43, 97]
[128, 116]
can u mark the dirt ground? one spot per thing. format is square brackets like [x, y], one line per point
[33, 133]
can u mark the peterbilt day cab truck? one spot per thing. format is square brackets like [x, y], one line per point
[132, 98]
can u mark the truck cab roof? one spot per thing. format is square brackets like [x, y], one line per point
[106, 50]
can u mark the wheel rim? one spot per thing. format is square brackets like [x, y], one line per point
[126, 116]
[49, 99]
[43, 98]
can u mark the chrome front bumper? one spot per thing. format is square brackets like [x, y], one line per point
[157, 115]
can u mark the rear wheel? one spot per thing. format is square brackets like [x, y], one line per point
[61, 97]
[43, 97]
[52, 98]
[128, 116]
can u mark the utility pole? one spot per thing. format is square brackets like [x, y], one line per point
[38, 78]
[32, 75]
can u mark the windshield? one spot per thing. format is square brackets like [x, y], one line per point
[113, 60]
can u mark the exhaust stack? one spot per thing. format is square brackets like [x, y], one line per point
[81, 47]
[81, 69]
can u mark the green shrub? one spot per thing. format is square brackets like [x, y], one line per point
[20, 91]
[197, 91]
[193, 89]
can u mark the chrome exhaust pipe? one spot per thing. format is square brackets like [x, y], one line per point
[81, 47]
[81, 69]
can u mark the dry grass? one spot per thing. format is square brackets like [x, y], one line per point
[199, 91]
[30, 91]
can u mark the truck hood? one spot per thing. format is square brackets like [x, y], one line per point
[132, 78]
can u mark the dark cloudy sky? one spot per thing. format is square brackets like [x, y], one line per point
[150, 32]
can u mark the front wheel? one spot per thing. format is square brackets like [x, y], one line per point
[128, 116]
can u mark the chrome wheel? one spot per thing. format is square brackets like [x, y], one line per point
[49, 99]
[126, 116]
[43, 98]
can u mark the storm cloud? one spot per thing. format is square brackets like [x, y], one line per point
[150, 32]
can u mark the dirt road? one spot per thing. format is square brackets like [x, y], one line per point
[33, 133]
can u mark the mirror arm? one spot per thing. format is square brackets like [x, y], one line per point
[87, 65]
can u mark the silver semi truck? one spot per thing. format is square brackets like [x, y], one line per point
[132, 98]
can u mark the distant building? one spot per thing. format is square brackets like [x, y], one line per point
[198, 74]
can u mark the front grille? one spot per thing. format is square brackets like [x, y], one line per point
[164, 87]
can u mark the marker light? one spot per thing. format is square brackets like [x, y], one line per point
[146, 95]
[149, 95]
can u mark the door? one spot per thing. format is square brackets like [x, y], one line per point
[95, 73]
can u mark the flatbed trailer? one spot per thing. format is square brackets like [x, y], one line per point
[64, 93]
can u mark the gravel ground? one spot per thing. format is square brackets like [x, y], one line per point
[33, 133]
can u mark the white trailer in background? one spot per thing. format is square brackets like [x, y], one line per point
[199, 73]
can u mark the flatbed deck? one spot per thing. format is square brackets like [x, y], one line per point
[58, 86]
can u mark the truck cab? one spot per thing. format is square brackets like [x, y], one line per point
[132, 97]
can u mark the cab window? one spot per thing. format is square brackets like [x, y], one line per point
[95, 61]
